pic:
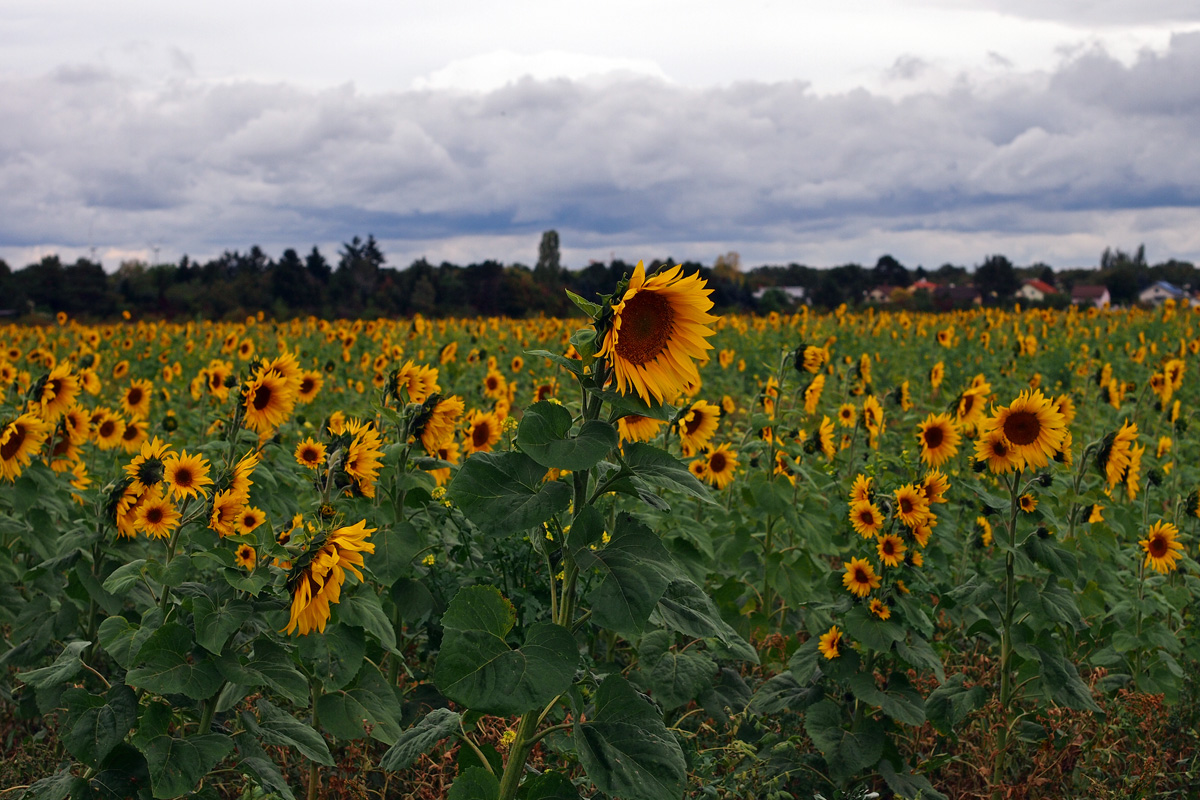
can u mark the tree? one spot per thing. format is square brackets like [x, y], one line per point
[317, 266]
[996, 277]
[728, 268]
[548, 267]
[890, 272]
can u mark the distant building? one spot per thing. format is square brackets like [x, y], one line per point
[1157, 292]
[881, 294]
[1036, 291]
[928, 286]
[947, 297]
[1096, 296]
[795, 294]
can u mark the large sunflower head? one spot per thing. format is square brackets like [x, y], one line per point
[441, 420]
[483, 431]
[58, 392]
[912, 507]
[269, 400]
[866, 518]
[860, 578]
[316, 578]
[186, 475]
[658, 329]
[19, 441]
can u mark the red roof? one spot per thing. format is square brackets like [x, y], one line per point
[923, 284]
[1041, 286]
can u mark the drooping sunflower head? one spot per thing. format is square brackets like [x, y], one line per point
[441, 421]
[658, 329]
[1115, 453]
[1162, 547]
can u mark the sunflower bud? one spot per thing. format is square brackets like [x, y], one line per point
[170, 423]
[1043, 532]
[979, 466]
[1045, 479]
[1155, 477]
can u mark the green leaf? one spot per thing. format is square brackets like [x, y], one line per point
[99, 723]
[673, 678]
[177, 765]
[950, 703]
[59, 786]
[586, 306]
[686, 608]
[395, 548]
[125, 577]
[899, 701]
[637, 570]
[623, 405]
[368, 703]
[544, 434]
[572, 364]
[363, 609]
[784, 693]
[920, 655]
[215, 623]
[123, 640]
[276, 727]
[503, 493]
[626, 750]
[548, 786]
[474, 783]
[658, 468]
[847, 752]
[64, 668]
[864, 627]
[477, 669]
[172, 665]
[334, 657]
[256, 764]
[421, 738]
[908, 784]
[1062, 679]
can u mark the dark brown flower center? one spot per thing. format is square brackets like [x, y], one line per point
[107, 428]
[134, 397]
[184, 477]
[13, 445]
[717, 462]
[1022, 428]
[934, 436]
[646, 323]
[262, 397]
[154, 515]
[480, 434]
[1158, 546]
[306, 385]
[860, 575]
[906, 505]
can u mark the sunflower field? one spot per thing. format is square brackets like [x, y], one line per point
[645, 553]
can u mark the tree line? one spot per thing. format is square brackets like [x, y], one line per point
[360, 283]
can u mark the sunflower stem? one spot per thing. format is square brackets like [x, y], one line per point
[314, 769]
[1006, 648]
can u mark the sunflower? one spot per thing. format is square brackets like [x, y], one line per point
[1115, 453]
[935, 487]
[310, 453]
[108, 428]
[136, 399]
[494, 385]
[269, 400]
[226, 506]
[939, 439]
[58, 392]
[860, 491]
[880, 609]
[245, 557]
[156, 515]
[186, 475]
[830, 643]
[822, 439]
[1032, 426]
[866, 519]
[968, 411]
[698, 425]
[872, 415]
[785, 466]
[1133, 474]
[636, 428]
[658, 328]
[146, 469]
[120, 370]
[890, 548]
[699, 468]
[20, 440]
[439, 426]
[311, 382]
[1162, 547]
[812, 394]
[315, 581]
[545, 390]
[1028, 503]
[364, 457]
[921, 535]
[911, 506]
[937, 373]
[721, 462]
[250, 518]
[483, 431]
[134, 435]
[1095, 513]
[994, 450]
[447, 451]
[985, 530]
[847, 415]
[860, 577]
[239, 481]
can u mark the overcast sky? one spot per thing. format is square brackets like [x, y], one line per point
[933, 130]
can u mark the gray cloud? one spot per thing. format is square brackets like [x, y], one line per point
[1058, 161]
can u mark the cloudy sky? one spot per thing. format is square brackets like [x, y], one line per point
[933, 130]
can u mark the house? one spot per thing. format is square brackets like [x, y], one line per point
[881, 294]
[928, 286]
[1036, 291]
[949, 297]
[1155, 293]
[1096, 296]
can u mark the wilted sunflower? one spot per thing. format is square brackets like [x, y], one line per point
[19, 441]
[316, 577]
[1162, 547]
[939, 439]
[186, 475]
[830, 643]
[310, 453]
[483, 431]
[659, 328]
[720, 467]
[866, 519]
[860, 577]
[697, 426]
